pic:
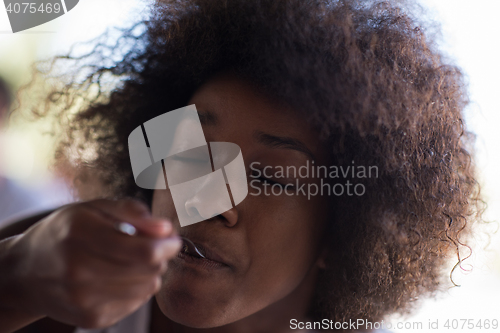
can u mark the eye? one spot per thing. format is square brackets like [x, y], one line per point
[269, 181]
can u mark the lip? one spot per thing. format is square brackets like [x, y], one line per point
[212, 259]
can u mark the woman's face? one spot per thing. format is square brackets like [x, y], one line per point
[268, 246]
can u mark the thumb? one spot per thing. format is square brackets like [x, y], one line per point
[150, 227]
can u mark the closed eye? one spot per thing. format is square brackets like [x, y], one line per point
[271, 181]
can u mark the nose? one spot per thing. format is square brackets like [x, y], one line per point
[212, 200]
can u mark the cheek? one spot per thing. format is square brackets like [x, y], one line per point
[163, 205]
[289, 226]
[279, 238]
[284, 243]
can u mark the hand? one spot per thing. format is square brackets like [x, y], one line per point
[75, 267]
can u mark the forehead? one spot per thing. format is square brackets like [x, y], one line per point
[228, 94]
[237, 109]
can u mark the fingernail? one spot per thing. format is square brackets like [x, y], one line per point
[165, 226]
[171, 241]
[126, 228]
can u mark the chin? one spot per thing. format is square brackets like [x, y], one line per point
[194, 309]
[197, 296]
[203, 295]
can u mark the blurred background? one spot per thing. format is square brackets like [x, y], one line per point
[26, 147]
[470, 34]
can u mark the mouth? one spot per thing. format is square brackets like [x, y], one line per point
[211, 261]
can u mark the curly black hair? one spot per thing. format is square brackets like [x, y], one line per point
[368, 76]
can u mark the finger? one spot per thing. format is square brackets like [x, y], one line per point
[90, 230]
[137, 251]
[90, 294]
[133, 212]
[89, 267]
[98, 312]
[104, 241]
[113, 311]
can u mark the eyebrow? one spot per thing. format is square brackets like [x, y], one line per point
[208, 118]
[269, 140]
[273, 141]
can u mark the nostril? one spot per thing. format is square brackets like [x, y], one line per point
[192, 211]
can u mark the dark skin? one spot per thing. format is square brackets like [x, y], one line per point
[270, 245]
[74, 267]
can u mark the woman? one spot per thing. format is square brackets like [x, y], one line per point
[338, 84]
